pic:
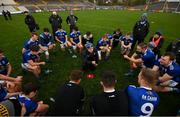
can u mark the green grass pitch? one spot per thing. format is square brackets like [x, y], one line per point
[14, 33]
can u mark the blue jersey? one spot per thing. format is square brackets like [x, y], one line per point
[3, 93]
[61, 36]
[45, 40]
[29, 56]
[75, 36]
[102, 43]
[148, 58]
[110, 37]
[30, 43]
[3, 65]
[142, 100]
[172, 70]
[30, 105]
[127, 41]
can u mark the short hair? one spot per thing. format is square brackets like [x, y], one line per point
[171, 55]
[76, 75]
[1, 51]
[108, 78]
[128, 33]
[119, 30]
[149, 75]
[75, 28]
[34, 48]
[142, 45]
[88, 33]
[59, 27]
[29, 87]
[105, 36]
[46, 30]
[34, 33]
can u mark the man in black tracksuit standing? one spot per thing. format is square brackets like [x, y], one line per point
[140, 30]
[55, 20]
[71, 21]
[5, 15]
[30, 22]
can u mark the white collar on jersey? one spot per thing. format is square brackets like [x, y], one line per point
[148, 88]
[32, 40]
[170, 64]
[72, 82]
[109, 91]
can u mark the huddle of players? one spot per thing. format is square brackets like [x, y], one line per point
[144, 57]
[133, 100]
[139, 101]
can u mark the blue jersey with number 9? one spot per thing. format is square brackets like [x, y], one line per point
[142, 100]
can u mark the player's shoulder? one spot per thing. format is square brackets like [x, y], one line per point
[79, 32]
[132, 87]
[64, 32]
[28, 41]
[4, 58]
[174, 67]
[100, 40]
[99, 97]
[72, 33]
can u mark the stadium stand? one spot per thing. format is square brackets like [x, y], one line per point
[19, 6]
[7, 2]
[9, 8]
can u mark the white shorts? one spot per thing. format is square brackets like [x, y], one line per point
[74, 47]
[25, 66]
[63, 45]
[171, 83]
[42, 51]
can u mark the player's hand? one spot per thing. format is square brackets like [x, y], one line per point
[40, 102]
[101, 47]
[126, 56]
[44, 48]
[23, 110]
[43, 63]
[18, 79]
[93, 62]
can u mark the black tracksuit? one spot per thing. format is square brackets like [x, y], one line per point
[140, 31]
[31, 23]
[71, 19]
[55, 21]
[88, 58]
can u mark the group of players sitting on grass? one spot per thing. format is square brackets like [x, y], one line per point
[158, 73]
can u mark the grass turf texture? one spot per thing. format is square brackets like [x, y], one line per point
[14, 33]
